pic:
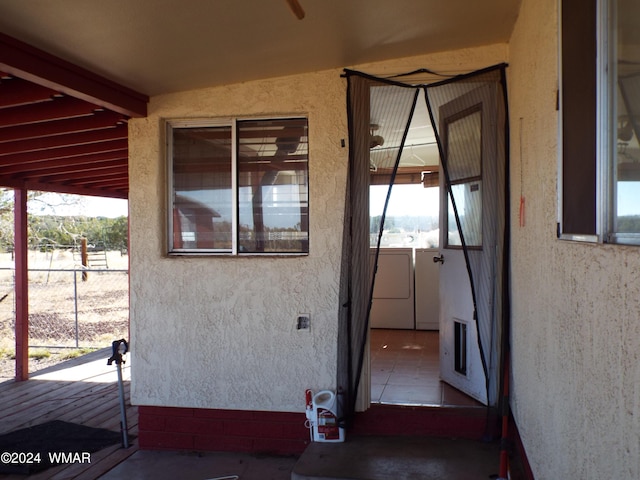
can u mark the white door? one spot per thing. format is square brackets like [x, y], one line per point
[467, 132]
[427, 284]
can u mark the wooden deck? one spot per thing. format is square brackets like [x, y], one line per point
[82, 391]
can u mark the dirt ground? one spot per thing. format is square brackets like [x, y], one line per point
[8, 365]
[65, 310]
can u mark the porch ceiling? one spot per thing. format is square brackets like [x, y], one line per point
[67, 91]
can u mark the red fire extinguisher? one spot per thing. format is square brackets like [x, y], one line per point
[309, 412]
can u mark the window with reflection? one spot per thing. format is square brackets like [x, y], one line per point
[239, 187]
[599, 189]
[625, 33]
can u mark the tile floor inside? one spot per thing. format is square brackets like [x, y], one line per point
[405, 369]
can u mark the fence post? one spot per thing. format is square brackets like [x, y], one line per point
[75, 302]
[84, 256]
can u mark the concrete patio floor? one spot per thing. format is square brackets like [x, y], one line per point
[160, 465]
[399, 458]
[78, 391]
[361, 458]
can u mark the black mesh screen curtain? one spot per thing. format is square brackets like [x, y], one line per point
[364, 93]
[487, 273]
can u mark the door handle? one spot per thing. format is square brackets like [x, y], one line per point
[439, 259]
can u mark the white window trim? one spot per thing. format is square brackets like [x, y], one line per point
[605, 91]
[234, 186]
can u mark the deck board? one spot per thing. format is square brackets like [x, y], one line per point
[83, 391]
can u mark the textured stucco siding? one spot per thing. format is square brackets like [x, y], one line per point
[213, 332]
[576, 307]
[217, 331]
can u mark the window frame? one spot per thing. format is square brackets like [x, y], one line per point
[605, 128]
[233, 123]
[468, 180]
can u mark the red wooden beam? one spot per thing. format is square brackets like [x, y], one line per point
[17, 159]
[21, 285]
[56, 109]
[100, 176]
[73, 139]
[113, 191]
[117, 189]
[82, 179]
[86, 176]
[44, 164]
[123, 182]
[16, 91]
[37, 66]
[51, 173]
[100, 119]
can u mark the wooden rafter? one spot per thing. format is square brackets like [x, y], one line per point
[57, 118]
[37, 66]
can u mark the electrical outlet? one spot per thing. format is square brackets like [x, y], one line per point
[303, 322]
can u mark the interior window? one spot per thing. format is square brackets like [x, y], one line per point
[465, 172]
[239, 187]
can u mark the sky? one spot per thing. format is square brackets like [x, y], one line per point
[53, 204]
[405, 200]
[629, 198]
[106, 207]
[416, 200]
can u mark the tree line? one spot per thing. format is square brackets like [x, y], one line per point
[629, 223]
[49, 231]
[58, 231]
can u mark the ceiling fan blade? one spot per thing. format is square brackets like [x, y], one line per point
[295, 7]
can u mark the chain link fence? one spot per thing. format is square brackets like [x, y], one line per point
[69, 305]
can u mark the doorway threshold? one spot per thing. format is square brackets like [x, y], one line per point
[400, 420]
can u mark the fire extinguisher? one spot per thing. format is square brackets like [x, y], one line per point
[309, 412]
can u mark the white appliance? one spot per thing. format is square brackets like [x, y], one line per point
[401, 272]
[393, 291]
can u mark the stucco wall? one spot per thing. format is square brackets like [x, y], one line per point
[217, 332]
[220, 332]
[576, 332]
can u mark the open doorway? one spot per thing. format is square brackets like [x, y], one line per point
[451, 134]
[404, 336]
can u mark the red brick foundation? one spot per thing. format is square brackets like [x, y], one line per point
[281, 433]
[458, 422]
[173, 428]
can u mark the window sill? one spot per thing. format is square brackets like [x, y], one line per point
[231, 255]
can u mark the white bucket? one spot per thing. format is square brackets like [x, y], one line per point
[325, 418]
